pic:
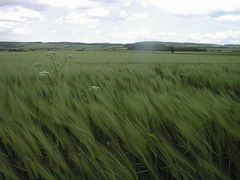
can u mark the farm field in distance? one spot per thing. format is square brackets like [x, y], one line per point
[119, 115]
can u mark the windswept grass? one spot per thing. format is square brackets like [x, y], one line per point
[120, 116]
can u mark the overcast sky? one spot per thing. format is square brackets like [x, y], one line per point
[123, 21]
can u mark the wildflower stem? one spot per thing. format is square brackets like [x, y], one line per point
[54, 65]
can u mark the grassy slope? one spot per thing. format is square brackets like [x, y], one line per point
[155, 116]
[139, 46]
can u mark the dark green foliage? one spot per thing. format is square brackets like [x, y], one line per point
[120, 116]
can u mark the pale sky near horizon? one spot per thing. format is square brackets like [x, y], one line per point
[121, 21]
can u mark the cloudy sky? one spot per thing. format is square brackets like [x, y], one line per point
[205, 21]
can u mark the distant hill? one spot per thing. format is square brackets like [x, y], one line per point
[169, 46]
[18, 46]
[138, 46]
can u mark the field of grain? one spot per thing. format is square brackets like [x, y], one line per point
[119, 115]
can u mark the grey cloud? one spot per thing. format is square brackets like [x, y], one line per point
[38, 5]
[223, 13]
[6, 20]
[214, 14]
[26, 4]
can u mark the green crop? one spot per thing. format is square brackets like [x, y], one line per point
[119, 116]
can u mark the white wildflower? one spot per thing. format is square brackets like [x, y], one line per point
[94, 88]
[51, 54]
[68, 56]
[44, 73]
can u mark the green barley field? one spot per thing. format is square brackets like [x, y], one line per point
[119, 115]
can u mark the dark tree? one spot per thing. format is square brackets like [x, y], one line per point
[172, 50]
